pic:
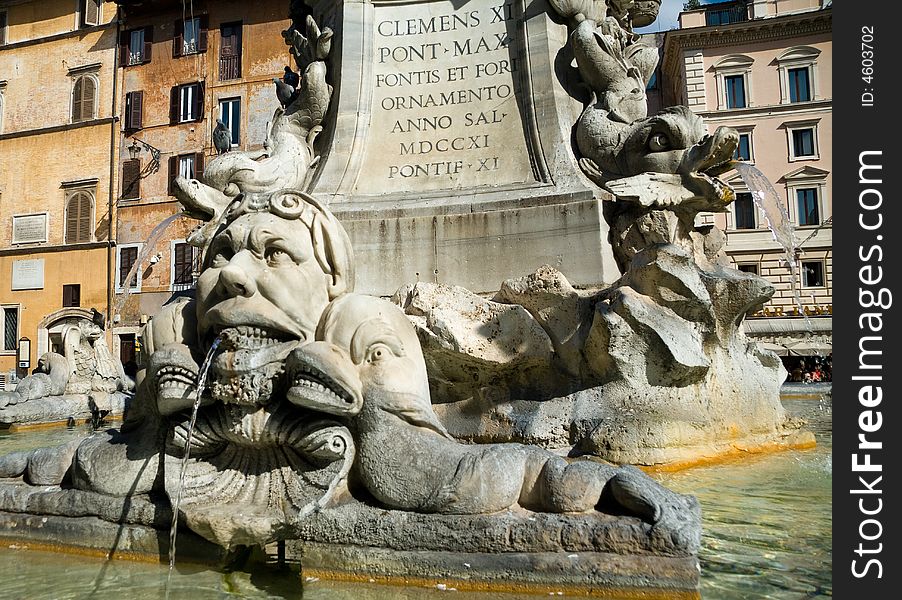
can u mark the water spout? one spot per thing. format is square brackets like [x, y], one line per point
[149, 246]
[777, 220]
[201, 383]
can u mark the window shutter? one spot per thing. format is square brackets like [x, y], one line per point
[202, 34]
[124, 39]
[131, 178]
[178, 39]
[72, 220]
[198, 165]
[174, 105]
[197, 110]
[85, 226]
[78, 218]
[134, 110]
[91, 14]
[148, 43]
[87, 98]
[77, 92]
[173, 173]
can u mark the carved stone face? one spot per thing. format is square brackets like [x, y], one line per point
[262, 276]
[658, 144]
[644, 12]
[262, 291]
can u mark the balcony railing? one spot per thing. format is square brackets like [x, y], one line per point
[229, 67]
[725, 16]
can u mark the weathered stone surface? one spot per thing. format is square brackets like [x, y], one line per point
[475, 346]
[60, 408]
[563, 311]
[671, 352]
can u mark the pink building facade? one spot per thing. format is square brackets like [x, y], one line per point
[764, 68]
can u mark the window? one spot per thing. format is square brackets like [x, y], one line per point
[183, 262]
[90, 11]
[230, 113]
[230, 51]
[135, 46]
[189, 166]
[9, 327]
[732, 75]
[2, 89]
[799, 86]
[186, 166]
[186, 103]
[84, 98]
[131, 179]
[71, 295]
[803, 145]
[735, 85]
[744, 149]
[748, 268]
[126, 258]
[807, 195]
[812, 273]
[2, 27]
[798, 74]
[808, 206]
[744, 210]
[190, 37]
[79, 217]
[134, 110]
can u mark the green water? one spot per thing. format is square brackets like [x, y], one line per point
[766, 535]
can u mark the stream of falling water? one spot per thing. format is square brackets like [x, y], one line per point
[769, 203]
[150, 245]
[201, 383]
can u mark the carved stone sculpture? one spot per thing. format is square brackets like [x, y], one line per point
[87, 368]
[278, 404]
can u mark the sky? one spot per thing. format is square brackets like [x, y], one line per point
[667, 18]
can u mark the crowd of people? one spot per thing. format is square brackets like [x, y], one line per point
[810, 369]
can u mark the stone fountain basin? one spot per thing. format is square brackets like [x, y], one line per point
[58, 409]
[507, 551]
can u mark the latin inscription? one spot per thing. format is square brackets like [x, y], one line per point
[445, 110]
[28, 274]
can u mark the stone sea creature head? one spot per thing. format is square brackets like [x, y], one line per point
[367, 351]
[273, 265]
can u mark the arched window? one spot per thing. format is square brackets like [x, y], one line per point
[84, 98]
[79, 218]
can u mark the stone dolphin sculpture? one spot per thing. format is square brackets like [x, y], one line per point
[367, 366]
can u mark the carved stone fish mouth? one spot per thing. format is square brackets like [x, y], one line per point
[324, 379]
[712, 155]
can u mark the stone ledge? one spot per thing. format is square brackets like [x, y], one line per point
[509, 551]
[612, 576]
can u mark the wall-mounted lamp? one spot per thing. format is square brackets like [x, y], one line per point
[134, 151]
[155, 258]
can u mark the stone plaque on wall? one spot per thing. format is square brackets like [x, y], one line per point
[29, 229]
[28, 274]
[447, 107]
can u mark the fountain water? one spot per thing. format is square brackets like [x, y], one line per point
[777, 219]
[150, 245]
[201, 382]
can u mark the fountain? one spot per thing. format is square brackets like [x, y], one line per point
[84, 383]
[439, 436]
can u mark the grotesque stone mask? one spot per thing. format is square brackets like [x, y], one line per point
[269, 272]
